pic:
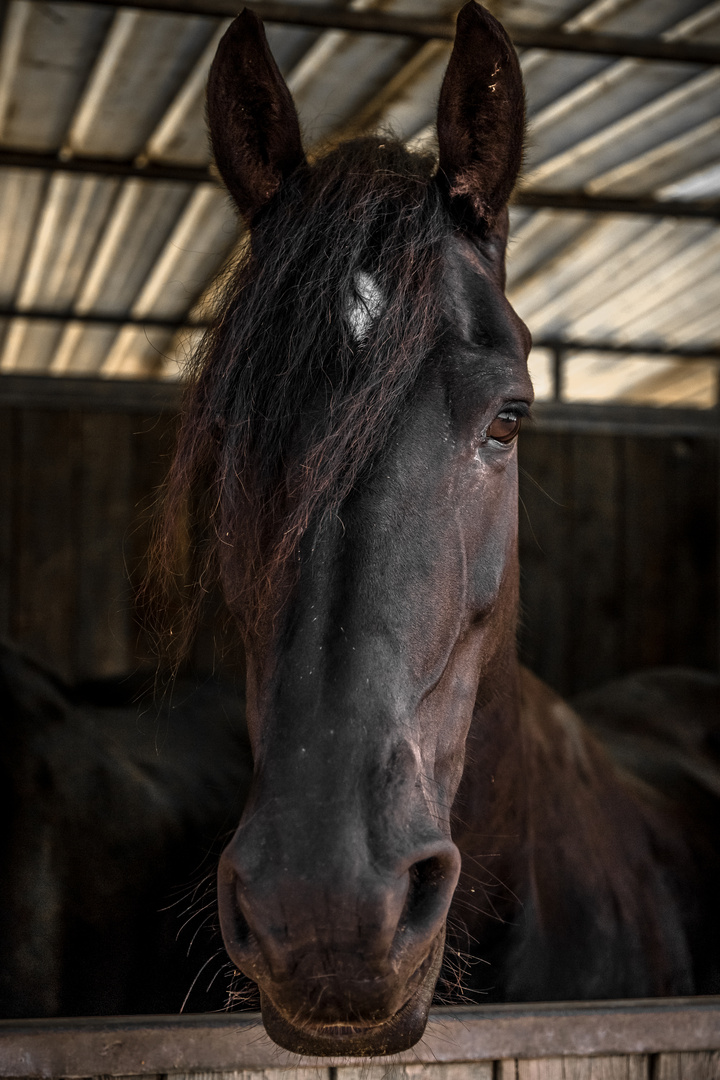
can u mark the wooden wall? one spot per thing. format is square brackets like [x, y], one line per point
[618, 554]
[76, 488]
[619, 542]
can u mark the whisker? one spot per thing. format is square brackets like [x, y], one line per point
[194, 982]
[194, 916]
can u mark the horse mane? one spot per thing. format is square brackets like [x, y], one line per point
[285, 406]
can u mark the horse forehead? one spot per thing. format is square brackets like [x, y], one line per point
[365, 304]
[480, 311]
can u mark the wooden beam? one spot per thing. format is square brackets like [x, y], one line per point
[154, 396]
[559, 345]
[608, 419]
[607, 204]
[557, 200]
[616, 45]
[378, 22]
[97, 318]
[91, 393]
[95, 166]
[123, 1046]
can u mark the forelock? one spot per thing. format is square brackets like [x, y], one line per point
[325, 325]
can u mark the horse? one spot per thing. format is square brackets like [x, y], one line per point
[111, 804]
[347, 470]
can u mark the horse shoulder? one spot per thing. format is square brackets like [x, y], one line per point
[618, 871]
[662, 725]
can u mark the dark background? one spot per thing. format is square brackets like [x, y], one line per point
[618, 539]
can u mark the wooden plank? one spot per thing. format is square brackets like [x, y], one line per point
[615, 1067]
[692, 484]
[636, 420]
[309, 1073]
[7, 514]
[106, 395]
[545, 591]
[153, 396]
[540, 1069]
[684, 1066]
[104, 628]
[44, 591]
[647, 575]
[140, 1076]
[470, 1070]
[593, 561]
[623, 574]
[121, 1046]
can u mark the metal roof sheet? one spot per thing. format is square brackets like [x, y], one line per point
[125, 84]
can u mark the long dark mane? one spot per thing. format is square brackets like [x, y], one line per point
[247, 477]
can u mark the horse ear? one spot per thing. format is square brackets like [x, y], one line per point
[253, 124]
[481, 120]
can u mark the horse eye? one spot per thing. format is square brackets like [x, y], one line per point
[504, 427]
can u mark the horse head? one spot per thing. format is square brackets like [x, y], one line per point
[362, 394]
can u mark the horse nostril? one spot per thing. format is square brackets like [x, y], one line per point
[432, 883]
[235, 928]
[241, 929]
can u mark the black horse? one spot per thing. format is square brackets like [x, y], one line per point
[111, 808]
[347, 468]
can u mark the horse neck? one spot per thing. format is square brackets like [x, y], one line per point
[486, 806]
[574, 851]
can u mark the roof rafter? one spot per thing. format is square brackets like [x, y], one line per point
[665, 352]
[99, 319]
[557, 200]
[96, 166]
[609, 204]
[554, 344]
[378, 22]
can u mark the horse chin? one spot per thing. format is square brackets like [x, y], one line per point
[391, 1036]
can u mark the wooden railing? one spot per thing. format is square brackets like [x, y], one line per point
[673, 1039]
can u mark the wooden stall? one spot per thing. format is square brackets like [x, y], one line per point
[618, 542]
[619, 553]
[77, 479]
[618, 531]
[113, 226]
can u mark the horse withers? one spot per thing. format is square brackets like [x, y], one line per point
[347, 466]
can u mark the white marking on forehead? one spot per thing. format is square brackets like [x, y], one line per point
[365, 304]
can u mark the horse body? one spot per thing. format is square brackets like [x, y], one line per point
[350, 440]
[109, 810]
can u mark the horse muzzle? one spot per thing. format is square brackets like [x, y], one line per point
[346, 963]
[390, 1035]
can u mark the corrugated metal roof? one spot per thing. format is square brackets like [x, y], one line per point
[125, 84]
